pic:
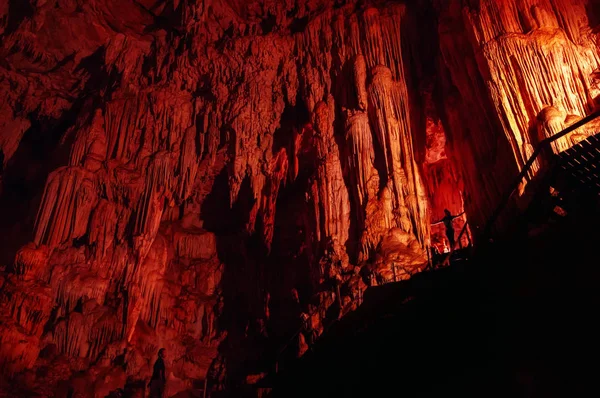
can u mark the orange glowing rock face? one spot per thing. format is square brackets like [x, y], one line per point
[186, 176]
[524, 70]
[444, 182]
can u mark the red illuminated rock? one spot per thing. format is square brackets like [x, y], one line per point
[444, 182]
[171, 171]
[508, 61]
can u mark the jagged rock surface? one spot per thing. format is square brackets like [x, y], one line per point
[197, 175]
[506, 63]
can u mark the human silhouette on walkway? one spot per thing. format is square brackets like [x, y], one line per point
[447, 220]
[159, 380]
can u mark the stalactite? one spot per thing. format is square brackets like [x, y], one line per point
[361, 161]
[278, 172]
[359, 138]
[195, 244]
[148, 278]
[157, 190]
[330, 193]
[69, 335]
[27, 303]
[87, 334]
[89, 148]
[31, 262]
[188, 163]
[382, 43]
[121, 127]
[74, 283]
[537, 63]
[390, 111]
[174, 119]
[69, 197]
[102, 230]
[525, 56]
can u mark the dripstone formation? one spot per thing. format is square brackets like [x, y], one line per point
[197, 175]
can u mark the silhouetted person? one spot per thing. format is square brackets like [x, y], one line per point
[447, 220]
[159, 379]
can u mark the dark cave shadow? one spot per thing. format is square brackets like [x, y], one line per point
[168, 20]
[236, 250]
[42, 149]
[24, 182]
[227, 223]
[24, 175]
[592, 9]
[288, 265]
[421, 50]
[348, 93]
[18, 11]
[293, 117]
[251, 270]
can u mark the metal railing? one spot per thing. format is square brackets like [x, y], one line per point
[286, 346]
[305, 327]
[293, 338]
[458, 242]
[462, 232]
[542, 146]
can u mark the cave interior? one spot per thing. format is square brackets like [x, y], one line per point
[299, 197]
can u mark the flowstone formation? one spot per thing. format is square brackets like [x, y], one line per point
[210, 176]
[507, 61]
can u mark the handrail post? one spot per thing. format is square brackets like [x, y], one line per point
[462, 232]
[429, 259]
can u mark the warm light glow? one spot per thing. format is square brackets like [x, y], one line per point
[186, 175]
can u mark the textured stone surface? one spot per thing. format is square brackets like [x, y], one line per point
[507, 62]
[197, 175]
